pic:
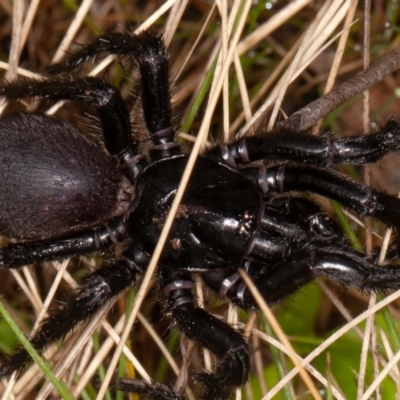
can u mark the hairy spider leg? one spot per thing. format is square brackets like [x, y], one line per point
[102, 287]
[278, 281]
[225, 342]
[305, 148]
[17, 255]
[321, 151]
[364, 200]
[148, 52]
[154, 391]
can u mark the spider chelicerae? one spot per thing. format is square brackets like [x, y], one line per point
[65, 196]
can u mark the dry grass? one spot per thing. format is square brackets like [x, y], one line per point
[272, 59]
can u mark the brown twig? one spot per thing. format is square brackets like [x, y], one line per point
[306, 117]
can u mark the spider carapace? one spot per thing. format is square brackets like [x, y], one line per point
[66, 196]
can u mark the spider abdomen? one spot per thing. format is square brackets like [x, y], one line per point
[53, 179]
[210, 230]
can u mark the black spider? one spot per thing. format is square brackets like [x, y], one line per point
[66, 197]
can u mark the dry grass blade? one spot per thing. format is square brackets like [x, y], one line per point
[281, 335]
[305, 364]
[319, 31]
[375, 385]
[72, 30]
[332, 339]
[269, 26]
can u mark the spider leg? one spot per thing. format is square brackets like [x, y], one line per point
[364, 200]
[226, 343]
[342, 265]
[16, 255]
[278, 280]
[299, 222]
[151, 57]
[154, 391]
[100, 288]
[317, 150]
[319, 258]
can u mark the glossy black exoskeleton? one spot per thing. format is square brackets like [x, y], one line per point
[68, 197]
[207, 222]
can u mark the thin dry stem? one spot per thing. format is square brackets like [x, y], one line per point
[271, 25]
[338, 55]
[72, 30]
[333, 338]
[279, 332]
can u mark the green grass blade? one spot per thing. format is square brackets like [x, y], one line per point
[44, 366]
[205, 86]
[286, 393]
[344, 223]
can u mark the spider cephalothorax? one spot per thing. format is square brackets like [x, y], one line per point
[68, 198]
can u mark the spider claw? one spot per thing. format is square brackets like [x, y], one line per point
[6, 370]
[215, 386]
[154, 390]
[14, 363]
